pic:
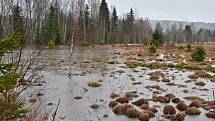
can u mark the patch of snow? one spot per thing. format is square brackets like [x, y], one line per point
[161, 56]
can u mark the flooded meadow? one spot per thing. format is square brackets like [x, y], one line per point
[123, 83]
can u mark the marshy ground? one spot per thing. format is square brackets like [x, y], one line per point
[127, 83]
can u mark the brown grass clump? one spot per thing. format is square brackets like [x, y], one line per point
[208, 105]
[153, 110]
[157, 87]
[94, 84]
[144, 107]
[193, 111]
[165, 80]
[156, 75]
[185, 91]
[112, 104]
[169, 110]
[203, 74]
[131, 113]
[127, 106]
[170, 96]
[136, 83]
[121, 109]
[180, 116]
[163, 99]
[140, 102]
[118, 110]
[143, 117]
[212, 79]
[191, 98]
[114, 95]
[78, 97]
[193, 76]
[200, 83]
[156, 92]
[195, 103]
[131, 95]
[211, 114]
[182, 106]
[151, 114]
[94, 106]
[122, 100]
[176, 100]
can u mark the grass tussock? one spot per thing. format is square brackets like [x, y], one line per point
[94, 84]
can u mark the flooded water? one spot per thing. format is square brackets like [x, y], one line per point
[90, 64]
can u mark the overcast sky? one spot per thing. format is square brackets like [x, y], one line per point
[182, 10]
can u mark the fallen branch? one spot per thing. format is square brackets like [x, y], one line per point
[55, 113]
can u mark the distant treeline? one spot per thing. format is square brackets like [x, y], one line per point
[86, 22]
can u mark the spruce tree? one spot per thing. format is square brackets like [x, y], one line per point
[157, 38]
[130, 19]
[114, 25]
[18, 22]
[130, 25]
[51, 30]
[104, 22]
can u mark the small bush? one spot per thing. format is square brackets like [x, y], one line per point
[11, 109]
[199, 54]
[189, 47]
[51, 45]
[152, 48]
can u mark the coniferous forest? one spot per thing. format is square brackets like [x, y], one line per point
[59, 21]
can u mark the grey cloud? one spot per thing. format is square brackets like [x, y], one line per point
[184, 10]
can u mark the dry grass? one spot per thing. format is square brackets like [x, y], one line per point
[182, 106]
[180, 116]
[211, 114]
[114, 95]
[176, 100]
[144, 107]
[94, 84]
[112, 104]
[78, 97]
[195, 103]
[140, 102]
[131, 113]
[191, 98]
[122, 100]
[143, 117]
[193, 111]
[169, 110]
[94, 106]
